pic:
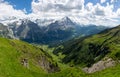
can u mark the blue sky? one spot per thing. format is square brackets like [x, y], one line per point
[100, 12]
[21, 4]
[26, 4]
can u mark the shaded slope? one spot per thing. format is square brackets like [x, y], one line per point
[88, 50]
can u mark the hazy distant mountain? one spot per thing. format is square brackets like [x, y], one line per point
[51, 32]
[65, 29]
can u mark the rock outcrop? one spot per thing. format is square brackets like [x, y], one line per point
[103, 64]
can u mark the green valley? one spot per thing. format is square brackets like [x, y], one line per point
[21, 59]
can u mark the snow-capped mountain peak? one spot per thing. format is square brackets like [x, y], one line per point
[66, 20]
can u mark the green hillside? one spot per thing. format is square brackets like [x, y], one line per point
[20, 59]
[89, 50]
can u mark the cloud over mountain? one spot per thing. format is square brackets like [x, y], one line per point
[102, 1]
[79, 11]
[57, 5]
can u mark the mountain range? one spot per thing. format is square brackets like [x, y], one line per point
[55, 32]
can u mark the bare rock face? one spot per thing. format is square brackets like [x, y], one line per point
[41, 61]
[47, 65]
[103, 64]
[5, 31]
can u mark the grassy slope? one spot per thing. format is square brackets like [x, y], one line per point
[86, 51]
[75, 72]
[106, 43]
[11, 53]
[10, 65]
[67, 71]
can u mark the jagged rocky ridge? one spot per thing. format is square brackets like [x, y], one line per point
[56, 32]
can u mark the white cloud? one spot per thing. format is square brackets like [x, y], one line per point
[112, 1]
[57, 5]
[89, 6]
[75, 9]
[7, 11]
[118, 12]
[102, 1]
[99, 10]
[57, 9]
[101, 15]
[103, 10]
